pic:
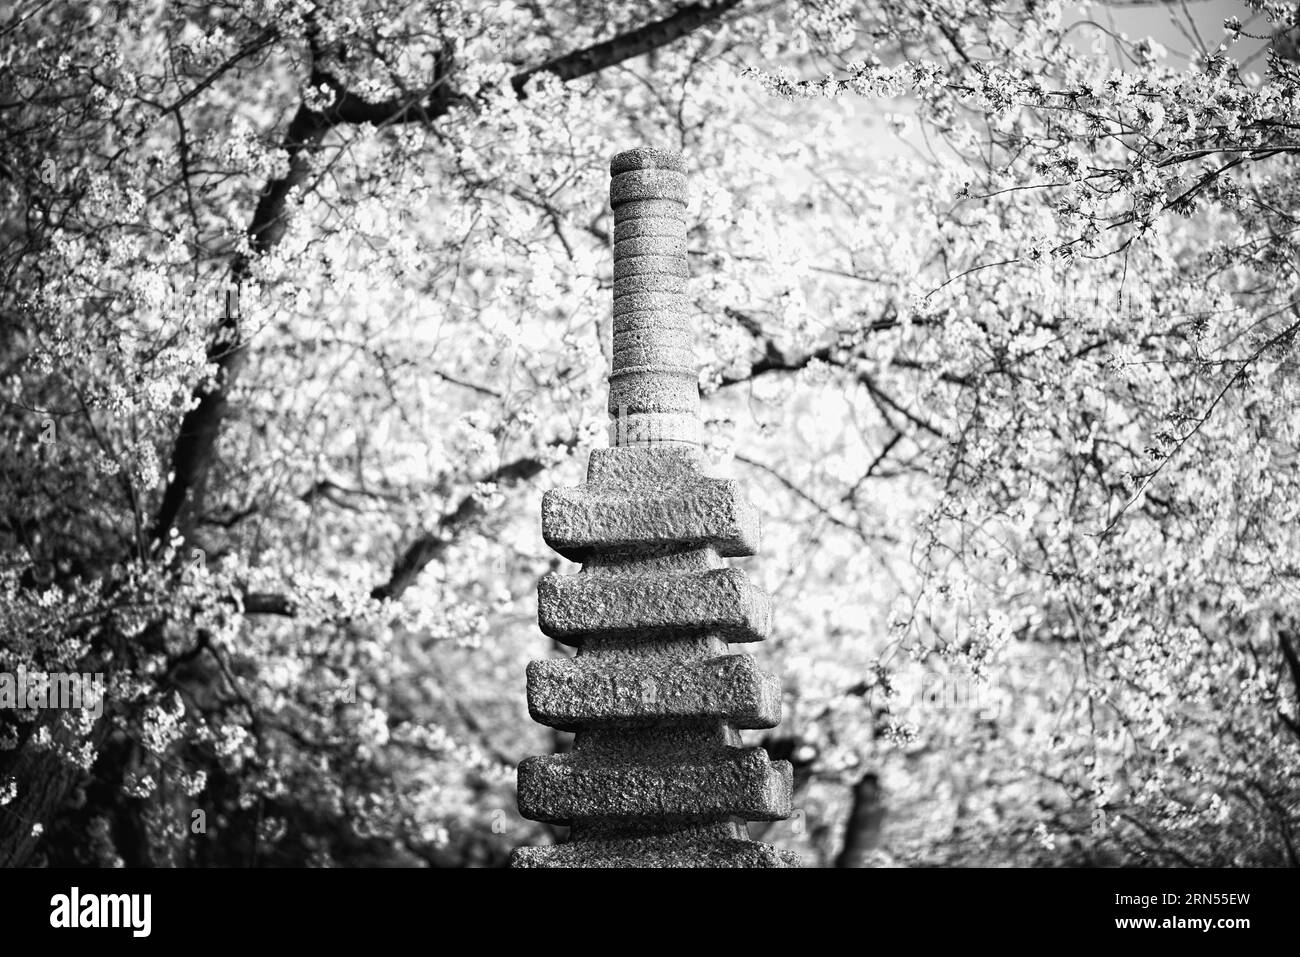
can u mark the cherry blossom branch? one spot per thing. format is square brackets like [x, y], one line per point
[433, 545]
[423, 550]
[194, 447]
[1232, 380]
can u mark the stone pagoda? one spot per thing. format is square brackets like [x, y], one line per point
[658, 776]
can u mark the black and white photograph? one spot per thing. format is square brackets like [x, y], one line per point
[449, 435]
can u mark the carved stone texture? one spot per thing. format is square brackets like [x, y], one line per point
[658, 776]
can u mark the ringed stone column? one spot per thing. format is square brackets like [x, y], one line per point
[658, 776]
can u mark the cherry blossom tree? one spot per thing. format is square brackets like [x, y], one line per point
[1093, 323]
[305, 304]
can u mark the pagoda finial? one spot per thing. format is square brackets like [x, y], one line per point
[654, 383]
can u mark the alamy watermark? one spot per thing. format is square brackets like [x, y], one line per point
[938, 691]
[209, 300]
[128, 911]
[650, 429]
[24, 690]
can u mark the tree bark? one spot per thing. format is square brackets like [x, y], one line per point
[866, 817]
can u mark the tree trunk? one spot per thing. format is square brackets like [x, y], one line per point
[862, 832]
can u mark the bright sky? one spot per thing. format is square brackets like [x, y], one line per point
[1183, 27]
